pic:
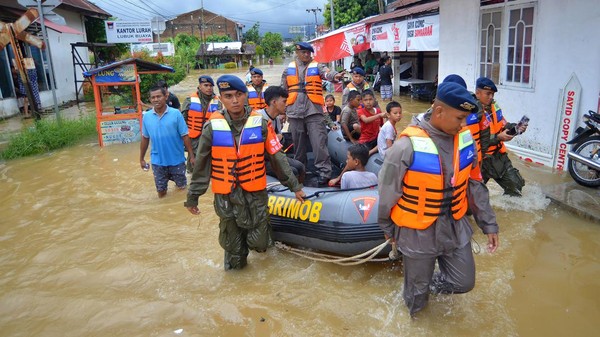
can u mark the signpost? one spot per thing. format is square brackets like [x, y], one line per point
[128, 31]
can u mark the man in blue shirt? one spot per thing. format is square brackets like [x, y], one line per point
[169, 133]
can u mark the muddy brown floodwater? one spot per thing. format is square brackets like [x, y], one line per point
[87, 249]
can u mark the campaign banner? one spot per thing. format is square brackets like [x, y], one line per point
[341, 43]
[166, 48]
[120, 131]
[128, 31]
[423, 34]
[123, 73]
[388, 37]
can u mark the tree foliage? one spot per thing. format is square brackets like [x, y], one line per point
[349, 11]
[252, 34]
[218, 38]
[186, 47]
[272, 43]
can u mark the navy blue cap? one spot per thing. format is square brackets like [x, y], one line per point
[456, 79]
[206, 79]
[486, 83]
[359, 71]
[455, 96]
[230, 82]
[256, 71]
[304, 46]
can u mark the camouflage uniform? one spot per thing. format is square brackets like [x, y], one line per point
[244, 219]
[497, 165]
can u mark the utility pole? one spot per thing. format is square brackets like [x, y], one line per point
[314, 10]
[331, 11]
[202, 34]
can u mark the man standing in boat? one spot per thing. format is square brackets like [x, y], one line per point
[303, 80]
[231, 155]
[425, 190]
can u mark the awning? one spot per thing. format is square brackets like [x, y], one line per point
[342, 42]
[143, 67]
[403, 12]
[60, 28]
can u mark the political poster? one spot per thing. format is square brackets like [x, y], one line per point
[128, 31]
[388, 37]
[346, 41]
[423, 34]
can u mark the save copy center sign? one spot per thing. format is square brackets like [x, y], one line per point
[128, 31]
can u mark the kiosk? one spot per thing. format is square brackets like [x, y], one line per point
[118, 99]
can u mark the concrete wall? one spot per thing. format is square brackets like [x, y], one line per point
[565, 43]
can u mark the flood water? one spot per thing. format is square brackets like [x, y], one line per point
[87, 249]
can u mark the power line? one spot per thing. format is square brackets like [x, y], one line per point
[167, 12]
[266, 10]
[164, 17]
[107, 6]
[140, 7]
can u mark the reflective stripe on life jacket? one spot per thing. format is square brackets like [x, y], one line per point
[196, 118]
[256, 100]
[234, 164]
[497, 123]
[312, 86]
[473, 124]
[422, 199]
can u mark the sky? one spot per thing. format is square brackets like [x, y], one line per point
[273, 15]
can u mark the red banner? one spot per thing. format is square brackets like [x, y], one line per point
[341, 43]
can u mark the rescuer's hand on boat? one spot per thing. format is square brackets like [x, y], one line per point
[493, 242]
[300, 195]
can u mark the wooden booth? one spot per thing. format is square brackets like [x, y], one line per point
[118, 99]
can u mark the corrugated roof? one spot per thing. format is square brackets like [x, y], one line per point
[408, 11]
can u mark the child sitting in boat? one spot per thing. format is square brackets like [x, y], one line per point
[349, 119]
[388, 133]
[354, 174]
[332, 112]
[371, 119]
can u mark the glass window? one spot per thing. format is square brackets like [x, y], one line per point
[507, 29]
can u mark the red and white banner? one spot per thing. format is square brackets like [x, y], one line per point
[569, 111]
[388, 37]
[341, 43]
[423, 34]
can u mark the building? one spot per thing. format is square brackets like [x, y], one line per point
[60, 38]
[203, 23]
[215, 54]
[543, 56]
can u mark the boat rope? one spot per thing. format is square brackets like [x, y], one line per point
[271, 188]
[368, 256]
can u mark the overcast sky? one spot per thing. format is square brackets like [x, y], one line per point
[273, 15]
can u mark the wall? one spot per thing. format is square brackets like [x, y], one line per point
[566, 43]
[190, 23]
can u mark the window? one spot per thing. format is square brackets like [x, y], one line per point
[506, 48]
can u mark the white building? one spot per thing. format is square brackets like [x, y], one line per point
[60, 38]
[531, 49]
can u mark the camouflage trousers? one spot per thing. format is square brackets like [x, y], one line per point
[243, 226]
[499, 167]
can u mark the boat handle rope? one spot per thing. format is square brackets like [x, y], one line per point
[368, 256]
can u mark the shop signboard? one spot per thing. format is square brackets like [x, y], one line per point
[388, 37]
[122, 73]
[128, 31]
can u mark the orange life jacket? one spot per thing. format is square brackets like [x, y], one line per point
[497, 123]
[473, 124]
[312, 86]
[257, 100]
[196, 118]
[351, 86]
[240, 164]
[423, 189]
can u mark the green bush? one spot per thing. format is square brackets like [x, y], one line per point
[47, 135]
[230, 65]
